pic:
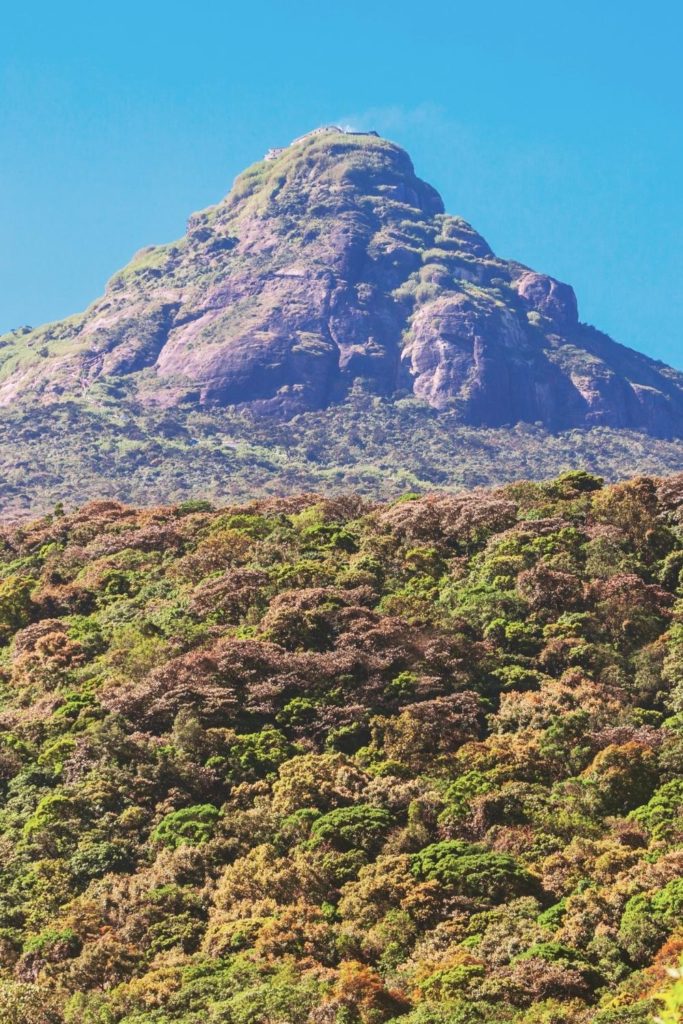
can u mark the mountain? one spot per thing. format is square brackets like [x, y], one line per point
[330, 263]
[312, 761]
[326, 327]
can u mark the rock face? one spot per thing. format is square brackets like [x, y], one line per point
[331, 261]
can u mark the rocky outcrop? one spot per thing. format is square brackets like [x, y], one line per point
[328, 262]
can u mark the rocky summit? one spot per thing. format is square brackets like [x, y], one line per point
[328, 263]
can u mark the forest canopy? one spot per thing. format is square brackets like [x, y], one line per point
[327, 761]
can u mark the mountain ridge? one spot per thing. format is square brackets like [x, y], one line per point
[329, 263]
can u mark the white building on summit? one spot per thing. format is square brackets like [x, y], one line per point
[326, 129]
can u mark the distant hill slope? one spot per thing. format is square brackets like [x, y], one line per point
[71, 452]
[328, 263]
[312, 761]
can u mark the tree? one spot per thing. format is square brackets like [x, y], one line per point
[15, 604]
[465, 869]
[189, 825]
[360, 827]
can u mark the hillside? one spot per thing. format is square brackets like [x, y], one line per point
[68, 454]
[326, 326]
[326, 761]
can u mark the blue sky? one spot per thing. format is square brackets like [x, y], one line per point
[555, 128]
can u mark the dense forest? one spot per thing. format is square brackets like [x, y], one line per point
[328, 761]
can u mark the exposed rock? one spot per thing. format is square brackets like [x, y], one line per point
[331, 261]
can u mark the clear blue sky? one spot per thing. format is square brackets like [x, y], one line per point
[555, 128]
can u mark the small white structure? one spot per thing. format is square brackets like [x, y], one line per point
[326, 129]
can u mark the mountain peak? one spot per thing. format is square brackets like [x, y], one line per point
[330, 261]
[334, 161]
